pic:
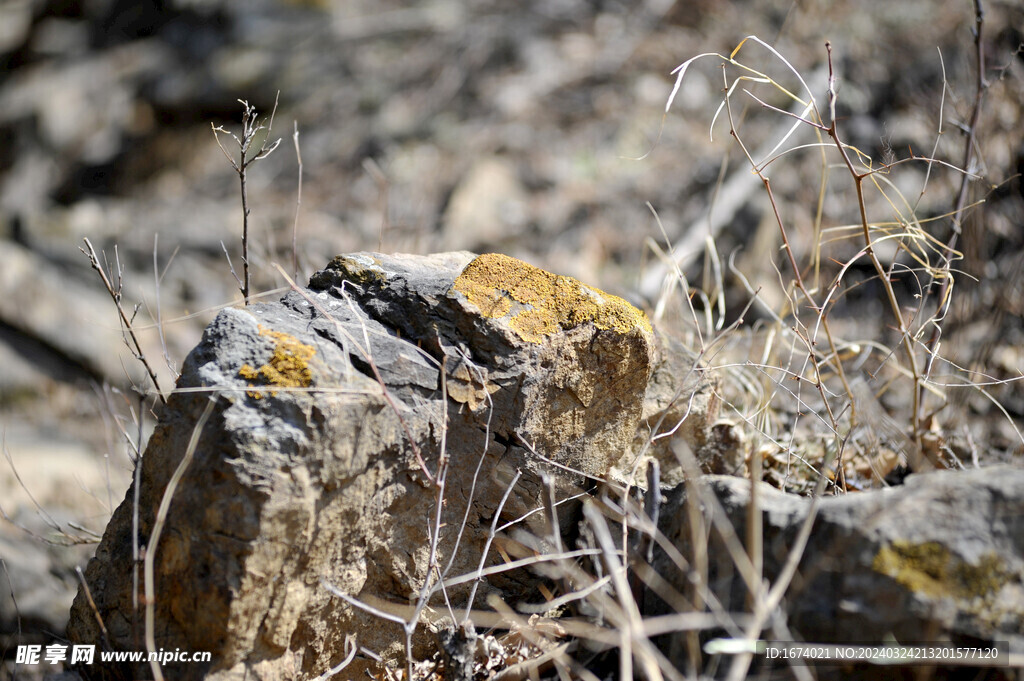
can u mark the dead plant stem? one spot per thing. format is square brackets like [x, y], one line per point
[858, 180]
[479, 575]
[251, 125]
[981, 86]
[799, 282]
[149, 583]
[298, 204]
[115, 294]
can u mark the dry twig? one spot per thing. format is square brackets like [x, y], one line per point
[251, 126]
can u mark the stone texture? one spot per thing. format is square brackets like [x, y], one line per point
[681, 409]
[939, 558]
[544, 359]
[305, 471]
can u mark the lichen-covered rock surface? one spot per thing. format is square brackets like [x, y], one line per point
[548, 361]
[308, 470]
[940, 559]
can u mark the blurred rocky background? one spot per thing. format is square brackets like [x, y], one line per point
[533, 128]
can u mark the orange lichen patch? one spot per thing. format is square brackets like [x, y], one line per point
[288, 366]
[540, 303]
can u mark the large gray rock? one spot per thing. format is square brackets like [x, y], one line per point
[940, 558]
[306, 470]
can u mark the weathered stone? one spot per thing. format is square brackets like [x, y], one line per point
[681, 408]
[547, 360]
[487, 206]
[307, 469]
[940, 558]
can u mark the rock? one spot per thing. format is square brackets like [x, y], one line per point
[487, 206]
[594, 350]
[307, 473]
[33, 307]
[15, 21]
[92, 107]
[681, 409]
[940, 558]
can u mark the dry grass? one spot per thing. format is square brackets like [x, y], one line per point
[809, 384]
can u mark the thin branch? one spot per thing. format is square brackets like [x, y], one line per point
[115, 295]
[490, 538]
[298, 204]
[251, 126]
[981, 86]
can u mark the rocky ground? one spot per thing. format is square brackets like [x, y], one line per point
[536, 129]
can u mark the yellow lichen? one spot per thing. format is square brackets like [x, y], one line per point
[288, 366]
[539, 303]
[359, 268]
[931, 569]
